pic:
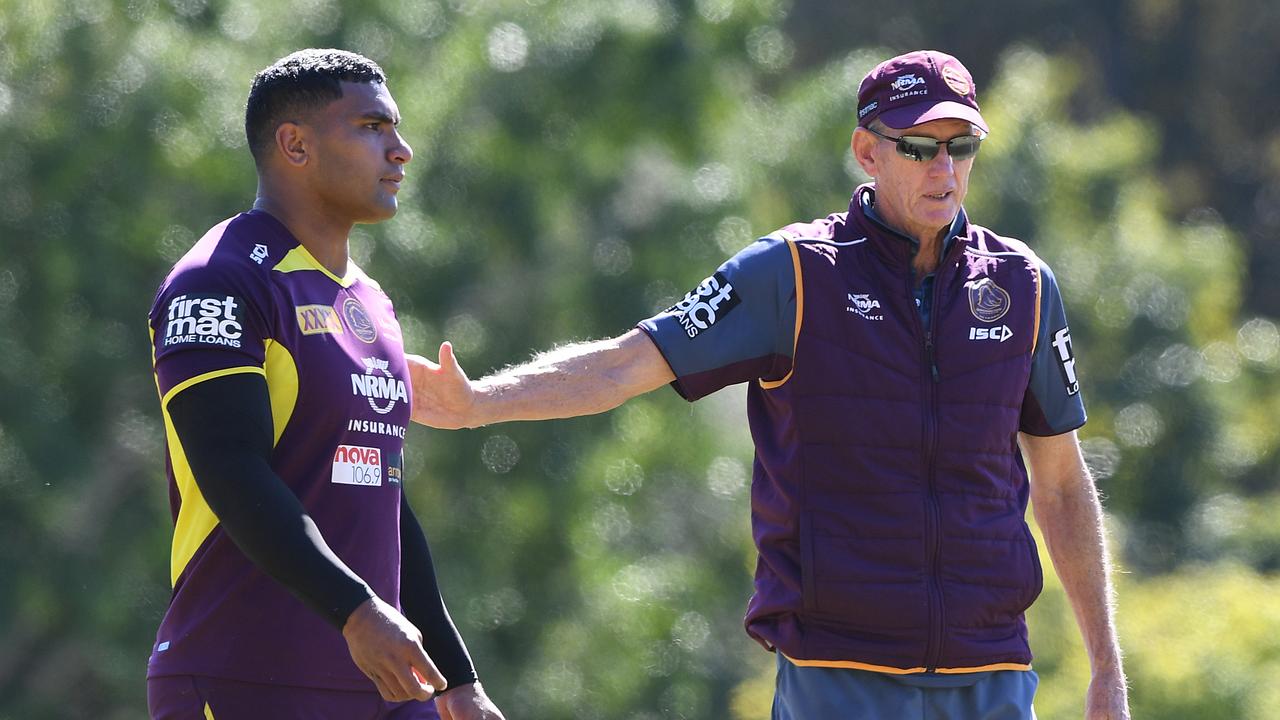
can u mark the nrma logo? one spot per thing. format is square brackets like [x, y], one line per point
[865, 306]
[906, 82]
[382, 390]
[204, 319]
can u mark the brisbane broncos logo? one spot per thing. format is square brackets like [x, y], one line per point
[987, 301]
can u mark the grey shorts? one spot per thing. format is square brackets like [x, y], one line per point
[819, 693]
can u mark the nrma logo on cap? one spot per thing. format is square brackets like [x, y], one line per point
[906, 82]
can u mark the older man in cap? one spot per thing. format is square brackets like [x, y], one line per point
[907, 368]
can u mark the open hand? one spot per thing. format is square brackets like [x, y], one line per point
[442, 393]
[388, 648]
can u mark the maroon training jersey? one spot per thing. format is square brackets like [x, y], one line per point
[248, 298]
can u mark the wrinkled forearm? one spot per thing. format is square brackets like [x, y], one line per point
[579, 379]
[1070, 516]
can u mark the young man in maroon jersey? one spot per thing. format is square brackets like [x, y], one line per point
[303, 584]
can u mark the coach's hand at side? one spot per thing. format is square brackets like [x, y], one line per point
[388, 648]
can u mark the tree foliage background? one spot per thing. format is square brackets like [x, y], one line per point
[579, 165]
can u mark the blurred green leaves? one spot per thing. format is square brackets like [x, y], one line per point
[578, 166]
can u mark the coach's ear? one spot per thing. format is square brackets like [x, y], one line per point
[291, 142]
[862, 145]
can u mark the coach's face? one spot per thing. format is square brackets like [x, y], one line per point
[919, 198]
[357, 157]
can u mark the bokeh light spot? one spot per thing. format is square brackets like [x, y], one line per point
[500, 454]
[508, 47]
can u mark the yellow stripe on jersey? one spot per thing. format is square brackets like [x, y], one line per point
[195, 519]
[852, 665]
[282, 383]
[1035, 331]
[795, 342]
[208, 714]
[300, 258]
[983, 668]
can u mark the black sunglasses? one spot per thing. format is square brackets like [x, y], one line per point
[921, 149]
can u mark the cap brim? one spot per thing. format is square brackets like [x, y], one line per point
[905, 117]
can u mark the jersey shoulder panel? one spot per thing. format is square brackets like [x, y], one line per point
[736, 325]
[214, 311]
[233, 256]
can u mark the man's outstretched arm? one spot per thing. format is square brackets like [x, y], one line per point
[1070, 516]
[579, 379]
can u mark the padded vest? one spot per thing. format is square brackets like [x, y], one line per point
[889, 493]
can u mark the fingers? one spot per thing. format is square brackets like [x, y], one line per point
[389, 690]
[412, 675]
[425, 671]
[400, 684]
[387, 648]
[413, 687]
[447, 360]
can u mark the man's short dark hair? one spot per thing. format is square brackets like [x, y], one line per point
[297, 84]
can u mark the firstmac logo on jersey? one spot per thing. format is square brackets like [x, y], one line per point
[706, 304]
[1066, 359]
[379, 386]
[204, 319]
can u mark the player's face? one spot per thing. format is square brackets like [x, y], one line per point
[359, 156]
[919, 198]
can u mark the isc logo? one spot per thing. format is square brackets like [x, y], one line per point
[995, 334]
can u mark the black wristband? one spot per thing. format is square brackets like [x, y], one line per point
[423, 606]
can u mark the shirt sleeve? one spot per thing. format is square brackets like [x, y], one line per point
[735, 326]
[208, 319]
[1053, 404]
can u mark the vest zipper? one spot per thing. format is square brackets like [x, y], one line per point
[933, 521]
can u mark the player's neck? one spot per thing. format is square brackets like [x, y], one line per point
[324, 237]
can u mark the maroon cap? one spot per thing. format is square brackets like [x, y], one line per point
[918, 87]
